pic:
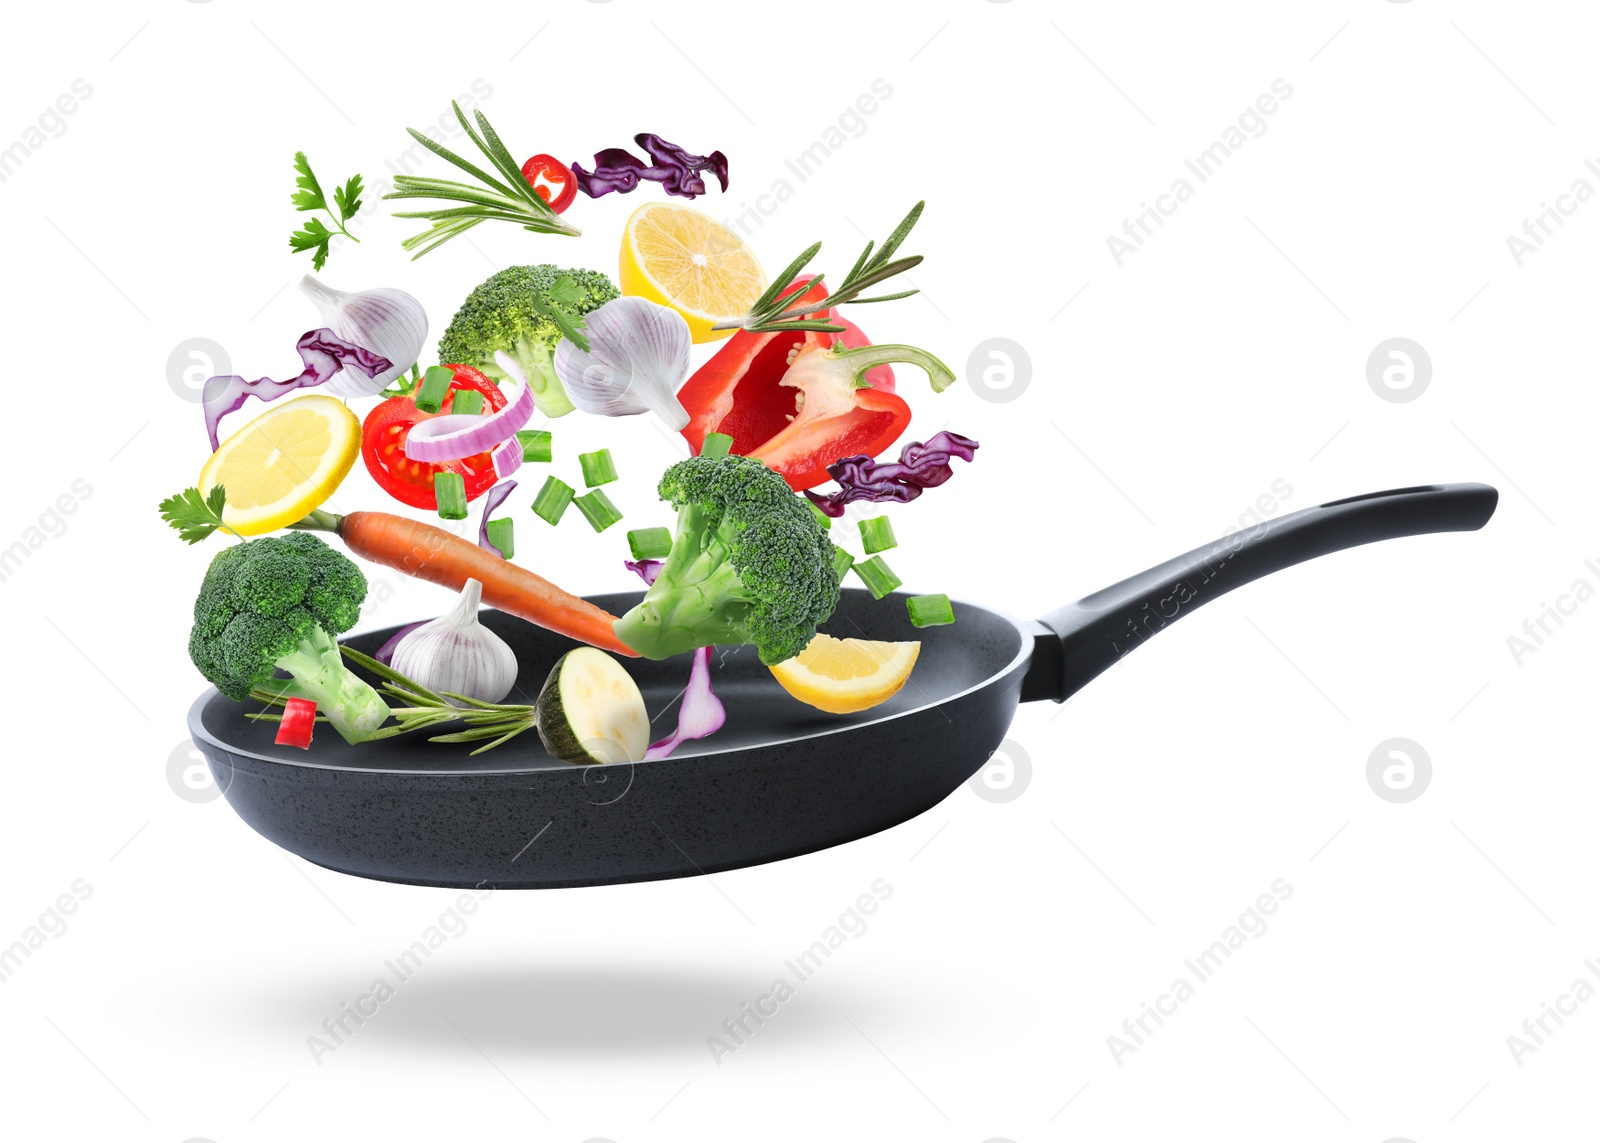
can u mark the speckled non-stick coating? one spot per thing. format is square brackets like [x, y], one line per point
[780, 779]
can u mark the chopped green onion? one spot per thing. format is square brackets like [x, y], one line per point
[597, 467]
[467, 402]
[877, 534]
[649, 543]
[822, 517]
[435, 384]
[450, 493]
[930, 610]
[878, 577]
[841, 562]
[500, 533]
[535, 445]
[716, 444]
[597, 508]
[553, 499]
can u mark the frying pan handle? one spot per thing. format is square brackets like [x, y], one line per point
[1076, 643]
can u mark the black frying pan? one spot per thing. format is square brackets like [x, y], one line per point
[781, 779]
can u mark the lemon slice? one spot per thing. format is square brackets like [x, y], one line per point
[842, 676]
[284, 463]
[687, 260]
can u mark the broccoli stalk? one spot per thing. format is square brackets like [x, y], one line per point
[319, 673]
[749, 564]
[277, 602]
[500, 314]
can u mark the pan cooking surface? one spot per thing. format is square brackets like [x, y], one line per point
[978, 646]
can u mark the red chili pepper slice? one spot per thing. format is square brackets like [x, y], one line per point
[299, 717]
[555, 173]
[738, 392]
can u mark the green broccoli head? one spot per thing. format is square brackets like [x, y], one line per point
[500, 315]
[749, 564]
[277, 602]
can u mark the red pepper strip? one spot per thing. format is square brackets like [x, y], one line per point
[553, 171]
[738, 392]
[299, 716]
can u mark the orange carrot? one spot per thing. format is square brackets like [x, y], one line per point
[432, 554]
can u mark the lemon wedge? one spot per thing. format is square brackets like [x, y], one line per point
[682, 258]
[842, 676]
[284, 463]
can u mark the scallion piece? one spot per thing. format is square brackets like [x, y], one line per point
[450, 493]
[877, 575]
[716, 444]
[597, 508]
[501, 534]
[552, 500]
[435, 384]
[877, 534]
[598, 468]
[467, 402]
[649, 543]
[841, 562]
[822, 517]
[930, 610]
[536, 445]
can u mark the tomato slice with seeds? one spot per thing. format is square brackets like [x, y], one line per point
[383, 444]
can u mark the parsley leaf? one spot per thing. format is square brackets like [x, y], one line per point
[315, 236]
[195, 516]
[348, 198]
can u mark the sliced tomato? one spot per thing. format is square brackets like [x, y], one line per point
[383, 444]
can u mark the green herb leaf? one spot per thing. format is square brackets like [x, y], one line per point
[309, 196]
[348, 198]
[565, 291]
[313, 236]
[571, 328]
[195, 516]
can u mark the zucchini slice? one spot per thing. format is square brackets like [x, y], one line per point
[591, 711]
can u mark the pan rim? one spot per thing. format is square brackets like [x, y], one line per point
[198, 731]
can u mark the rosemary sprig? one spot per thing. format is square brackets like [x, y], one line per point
[513, 200]
[424, 709]
[772, 311]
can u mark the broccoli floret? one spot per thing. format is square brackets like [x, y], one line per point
[749, 564]
[278, 602]
[498, 315]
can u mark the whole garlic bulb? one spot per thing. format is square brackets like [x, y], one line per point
[457, 653]
[390, 323]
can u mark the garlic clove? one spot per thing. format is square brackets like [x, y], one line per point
[457, 653]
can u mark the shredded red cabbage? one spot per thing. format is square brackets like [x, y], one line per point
[646, 570]
[700, 714]
[324, 354]
[921, 465]
[492, 499]
[386, 652]
[675, 169]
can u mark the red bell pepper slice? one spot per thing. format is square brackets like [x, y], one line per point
[294, 729]
[738, 392]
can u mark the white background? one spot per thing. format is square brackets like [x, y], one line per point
[1167, 394]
